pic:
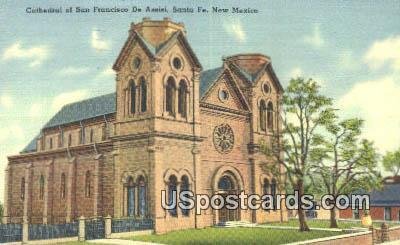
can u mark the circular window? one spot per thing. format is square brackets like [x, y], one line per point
[136, 63]
[224, 138]
[177, 63]
[223, 95]
[266, 88]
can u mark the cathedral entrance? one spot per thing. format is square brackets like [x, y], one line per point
[226, 186]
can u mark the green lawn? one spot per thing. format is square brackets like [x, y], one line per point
[324, 224]
[233, 236]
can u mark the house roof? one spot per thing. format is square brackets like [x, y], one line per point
[85, 109]
[78, 111]
[207, 78]
[388, 196]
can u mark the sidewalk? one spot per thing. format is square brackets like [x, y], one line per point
[121, 242]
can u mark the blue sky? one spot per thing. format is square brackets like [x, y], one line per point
[352, 48]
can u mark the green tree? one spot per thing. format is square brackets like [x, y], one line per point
[345, 162]
[303, 111]
[391, 162]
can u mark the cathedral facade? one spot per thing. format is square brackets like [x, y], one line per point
[169, 126]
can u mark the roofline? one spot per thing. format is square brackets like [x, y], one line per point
[79, 121]
[246, 54]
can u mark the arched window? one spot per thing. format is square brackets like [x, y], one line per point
[143, 95]
[41, 187]
[62, 185]
[182, 99]
[185, 187]
[225, 183]
[133, 96]
[172, 184]
[270, 115]
[131, 197]
[170, 96]
[273, 191]
[87, 184]
[23, 188]
[69, 140]
[51, 143]
[263, 115]
[141, 196]
[91, 135]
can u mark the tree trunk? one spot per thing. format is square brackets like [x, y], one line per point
[333, 219]
[302, 217]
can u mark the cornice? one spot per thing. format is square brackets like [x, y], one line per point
[53, 153]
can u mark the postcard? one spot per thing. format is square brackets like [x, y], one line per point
[199, 122]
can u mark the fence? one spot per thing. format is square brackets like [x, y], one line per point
[94, 229]
[49, 231]
[128, 225]
[88, 229]
[10, 232]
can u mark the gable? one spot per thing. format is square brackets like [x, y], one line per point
[253, 79]
[179, 39]
[133, 40]
[265, 77]
[224, 92]
[153, 51]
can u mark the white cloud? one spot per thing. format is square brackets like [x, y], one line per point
[72, 71]
[235, 28]
[386, 51]
[375, 101]
[35, 54]
[97, 42]
[6, 101]
[68, 97]
[315, 38]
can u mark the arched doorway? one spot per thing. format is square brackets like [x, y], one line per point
[226, 186]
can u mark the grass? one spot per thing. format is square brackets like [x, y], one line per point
[233, 236]
[325, 224]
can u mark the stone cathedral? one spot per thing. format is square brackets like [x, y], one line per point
[169, 125]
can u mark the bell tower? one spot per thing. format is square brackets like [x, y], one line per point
[157, 79]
